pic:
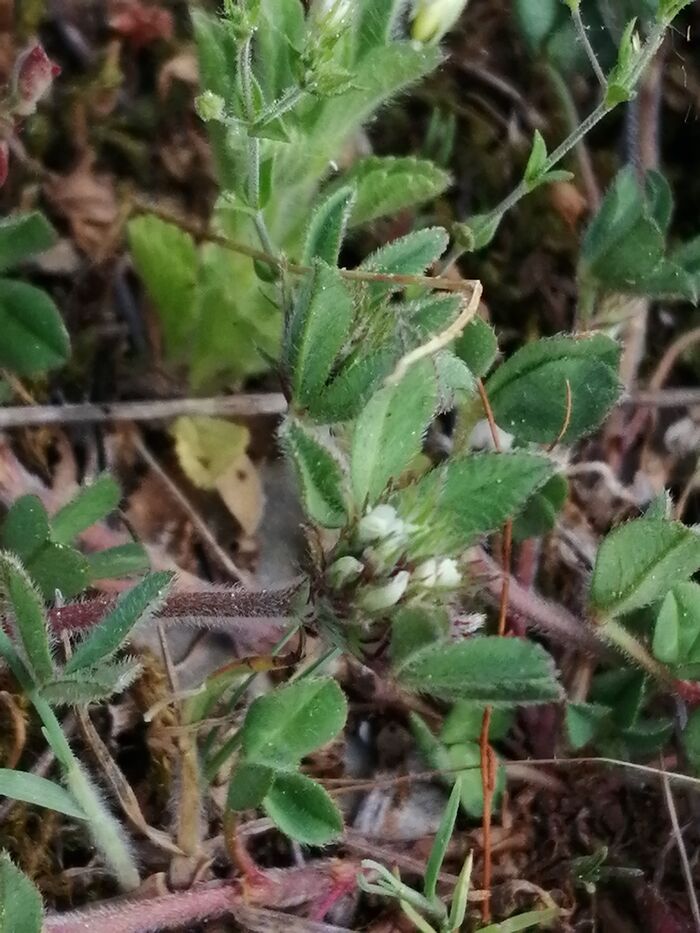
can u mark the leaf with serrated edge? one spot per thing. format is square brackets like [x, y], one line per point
[303, 810]
[320, 475]
[132, 607]
[639, 562]
[31, 788]
[484, 669]
[390, 430]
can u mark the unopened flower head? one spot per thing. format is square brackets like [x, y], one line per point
[331, 14]
[433, 18]
[380, 523]
[344, 570]
[442, 573]
[379, 598]
[210, 106]
[33, 76]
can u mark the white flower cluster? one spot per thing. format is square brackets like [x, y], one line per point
[384, 537]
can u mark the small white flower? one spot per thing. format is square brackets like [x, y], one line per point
[378, 598]
[448, 574]
[344, 570]
[382, 522]
[433, 18]
[426, 573]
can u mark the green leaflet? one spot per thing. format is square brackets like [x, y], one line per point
[27, 619]
[319, 326]
[390, 429]
[327, 228]
[409, 255]
[21, 910]
[291, 722]
[346, 394]
[386, 185]
[22, 236]
[677, 628]
[320, 475]
[91, 684]
[132, 607]
[462, 499]
[33, 335]
[90, 505]
[484, 669]
[528, 393]
[166, 259]
[302, 809]
[477, 346]
[639, 562]
[248, 785]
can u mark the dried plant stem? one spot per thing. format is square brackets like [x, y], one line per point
[234, 406]
[682, 852]
[439, 341]
[198, 232]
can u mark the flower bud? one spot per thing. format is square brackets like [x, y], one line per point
[210, 106]
[330, 14]
[378, 598]
[382, 522]
[426, 573]
[448, 574]
[34, 74]
[433, 18]
[4, 161]
[343, 571]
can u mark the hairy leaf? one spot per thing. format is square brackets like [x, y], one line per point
[462, 499]
[28, 618]
[303, 810]
[639, 562]
[319, 326]
[477, 346]
[327, 228]
[484, 669]
[320, 475]
[390, 429]
[22, 236]
[91, 684]
[291, 722]
[409, 255]
[440, 843]
[347, 393]
[540, 513]
[21, 910]
[33, 334]
[132, 607]
[123, 560]
[31, 788]
[90, 505]
[387, 185]
[248, 785]
[528, 393]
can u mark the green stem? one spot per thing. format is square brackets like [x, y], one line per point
[586, 43]
[106, 831]
[618, 636]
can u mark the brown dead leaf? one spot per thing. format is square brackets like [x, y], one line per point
[568, 202]
[87, 200]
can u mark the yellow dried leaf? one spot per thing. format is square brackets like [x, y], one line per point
[207, 447]
[241, 489]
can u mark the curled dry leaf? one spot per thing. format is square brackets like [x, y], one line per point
[87, 200]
